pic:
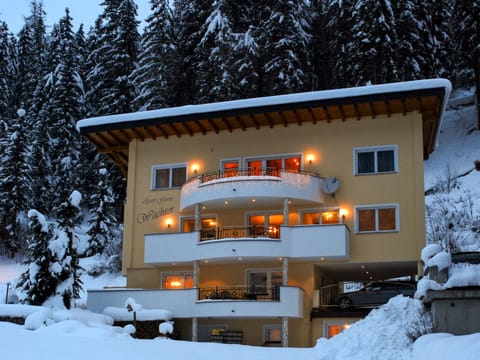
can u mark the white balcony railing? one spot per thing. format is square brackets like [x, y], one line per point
[299, 242]
[292, 185]
[184, 303]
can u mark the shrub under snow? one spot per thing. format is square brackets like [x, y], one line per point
[386, 333]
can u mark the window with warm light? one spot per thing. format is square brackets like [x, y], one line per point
[334, 328]
[266, 224]
[230, 167]
[174, 281]
[273, 165]
[272, 334]
[320, 216]
[377, 218]
[168, 176]
[188, 223]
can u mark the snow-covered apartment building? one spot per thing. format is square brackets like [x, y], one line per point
[245, 215]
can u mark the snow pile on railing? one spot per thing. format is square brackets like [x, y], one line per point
[459, 275]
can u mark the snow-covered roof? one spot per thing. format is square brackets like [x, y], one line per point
[268, 101]
[112, 134]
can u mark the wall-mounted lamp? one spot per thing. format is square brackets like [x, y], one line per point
[310, 158]
[168, 222]
[195, 168]
[343, 214]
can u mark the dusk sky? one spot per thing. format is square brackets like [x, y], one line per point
[82, 11]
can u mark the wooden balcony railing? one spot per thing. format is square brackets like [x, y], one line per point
[240, 231]
[240, 292]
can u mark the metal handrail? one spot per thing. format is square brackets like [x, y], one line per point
[240, 231]
[240, 292]
[242, 172]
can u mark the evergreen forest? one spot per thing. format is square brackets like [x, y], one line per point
[188, 52]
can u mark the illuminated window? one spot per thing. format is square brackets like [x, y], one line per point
[206, 222]
[377, 218]
[274, 165]
[321, 216]
[267, 224]
[168, 176]
[376, 160]
[178, 281]
[272, 334]
[230, 167]
[335, 328]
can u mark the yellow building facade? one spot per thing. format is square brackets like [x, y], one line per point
[243, 217]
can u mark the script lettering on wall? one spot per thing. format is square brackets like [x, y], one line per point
[155, 208]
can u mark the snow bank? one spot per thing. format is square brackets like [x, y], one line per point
[16, 310]
[122, 314]
[386, 333]
[447, 346]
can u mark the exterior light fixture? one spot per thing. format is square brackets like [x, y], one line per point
[343, 213]
[168, 222]
[195, 168]
[310, 158]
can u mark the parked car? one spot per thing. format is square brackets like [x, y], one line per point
[375, 294]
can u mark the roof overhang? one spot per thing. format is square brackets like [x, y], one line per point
[112, 134]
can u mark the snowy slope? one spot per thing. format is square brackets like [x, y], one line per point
[387, 333]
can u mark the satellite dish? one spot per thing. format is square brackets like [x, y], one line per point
[330, 185]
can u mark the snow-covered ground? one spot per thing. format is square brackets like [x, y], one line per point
[389, 332]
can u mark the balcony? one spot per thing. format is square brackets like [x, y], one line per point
[186, 304]
[305, 242]
[239, 186]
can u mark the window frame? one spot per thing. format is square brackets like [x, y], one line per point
[376, 208]
[375, 150]
[192, 217]
[165, 274]
[320, 211]
[266, 332]
[170, 167]
[282, 157]
[344, 324]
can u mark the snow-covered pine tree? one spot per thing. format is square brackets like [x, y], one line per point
[437, 54]
[38, 282]
[64, 247]
[215, 56]
[189, 16]
[114, 58]
[372, 51]
[6, 73]
[31, 57]
[103, 227]
[15, 195]
[247, 65]
[466, 37]
[409, 28]
[63, 108]
[321, 53]
[285, 40]
[155, 75]
[339, 24]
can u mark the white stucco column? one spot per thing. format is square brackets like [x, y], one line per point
[197, 217]
[195, 274]
[285, 211]
[285, 271]
[285, 332]
[194, 329]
